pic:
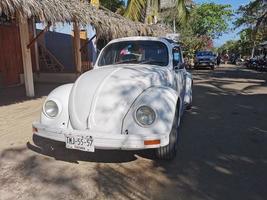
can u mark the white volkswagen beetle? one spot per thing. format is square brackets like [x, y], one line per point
[133, 99]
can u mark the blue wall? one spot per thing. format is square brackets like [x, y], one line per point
[61, 46]
[59, 43]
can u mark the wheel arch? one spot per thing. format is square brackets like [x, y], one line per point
[164, 101]
[61, 96]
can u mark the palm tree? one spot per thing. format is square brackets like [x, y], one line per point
[137, 9]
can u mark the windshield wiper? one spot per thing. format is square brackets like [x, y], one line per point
[153, 62]
[126, 61]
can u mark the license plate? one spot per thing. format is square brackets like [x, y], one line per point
[80, 142]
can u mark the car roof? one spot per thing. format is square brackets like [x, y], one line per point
[161, 39]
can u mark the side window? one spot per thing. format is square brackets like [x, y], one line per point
[177, 58]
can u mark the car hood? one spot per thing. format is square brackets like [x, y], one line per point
[205, 57]
[100, 98]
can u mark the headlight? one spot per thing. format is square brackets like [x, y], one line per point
[145, 115]
[51, 108]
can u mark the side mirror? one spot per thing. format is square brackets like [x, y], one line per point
[178, 66]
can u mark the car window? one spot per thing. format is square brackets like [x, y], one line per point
[135, 52]
[177, 57]
[204, 53]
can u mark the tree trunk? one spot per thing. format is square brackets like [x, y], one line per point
[253, 50]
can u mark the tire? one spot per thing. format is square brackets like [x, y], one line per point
[169, 151]
[212, 67]
[189, 106]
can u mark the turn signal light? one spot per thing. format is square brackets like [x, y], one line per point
[151, 142]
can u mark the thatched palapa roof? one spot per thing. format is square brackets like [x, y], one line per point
[107, 23]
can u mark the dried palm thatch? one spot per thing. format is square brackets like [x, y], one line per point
[107, 24]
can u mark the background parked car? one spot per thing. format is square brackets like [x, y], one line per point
[205, 59]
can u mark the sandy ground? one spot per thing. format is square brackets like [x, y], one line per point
[222, 154]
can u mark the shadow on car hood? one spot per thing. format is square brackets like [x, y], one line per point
[100, 99]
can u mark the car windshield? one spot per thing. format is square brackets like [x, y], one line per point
[135, 52]
[204, 53]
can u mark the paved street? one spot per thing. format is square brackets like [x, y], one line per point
[222, 154]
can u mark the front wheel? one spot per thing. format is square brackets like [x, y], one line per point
[169, 151]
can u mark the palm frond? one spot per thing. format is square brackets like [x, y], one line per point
[182, 11]
[134, 9]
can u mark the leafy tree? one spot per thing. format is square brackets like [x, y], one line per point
[245, 44]
[192, 42]
[230, 47]
[206, 22]
[253, 14]
[210, 19]
[253, 17]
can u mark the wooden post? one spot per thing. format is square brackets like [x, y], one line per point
[26, 56]
[77, 47]
[36, 46]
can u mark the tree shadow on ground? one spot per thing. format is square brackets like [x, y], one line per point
[222, 155]
[17, 94]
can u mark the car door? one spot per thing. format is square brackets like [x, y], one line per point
[179, 71]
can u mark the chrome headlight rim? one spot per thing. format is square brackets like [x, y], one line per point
[140, 123]
[57, 106]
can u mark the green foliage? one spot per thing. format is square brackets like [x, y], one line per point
[253, 18]
[230, 47]
[191, 42]
[206, 22]
[249, 38]
[134, 9]
[180, 13]
[253, 14]
[112, 5]
[210, 19]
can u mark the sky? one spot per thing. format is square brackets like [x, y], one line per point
[232, 34]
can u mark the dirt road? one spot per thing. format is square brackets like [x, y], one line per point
[222, 154]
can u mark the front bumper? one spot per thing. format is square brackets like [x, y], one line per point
[204, 63]
[103, 140]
